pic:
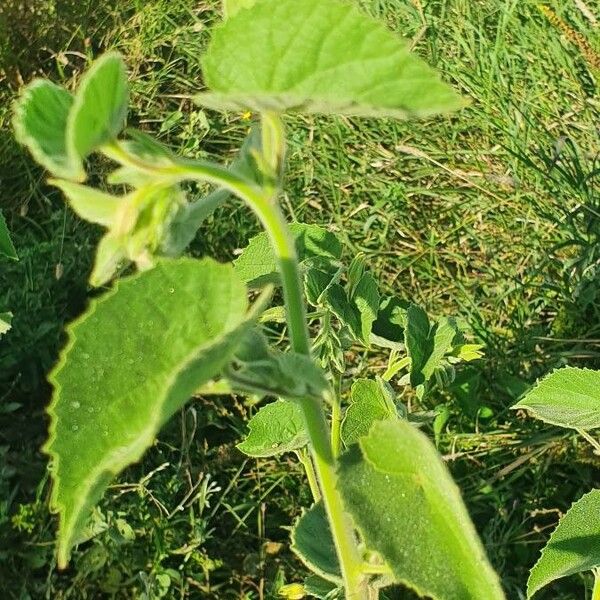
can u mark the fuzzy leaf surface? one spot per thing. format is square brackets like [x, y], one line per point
[256, 265]
[40, 123]
[276, 428]
[569, 397]
[371, 400]
[131, 361]
[100, 106]
[7, 248]
[318, 56]
[574, 545]
[313, 543]
[404, 501]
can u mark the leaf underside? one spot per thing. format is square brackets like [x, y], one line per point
[318, 56]
[574, 545]
[313, 543]
[569, 397]
[131, 361]
[408, 509]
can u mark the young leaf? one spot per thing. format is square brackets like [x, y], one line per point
[313, 543]
[569, 397]
[318, 56]
[408, 509]
[366, 299]
[7, 248]
[371, 400]
[100, 106]
[131, 361]
[5, 322]
[574, 545]
[40, 123]
[90, 204]
[276, 428]
[256, 265]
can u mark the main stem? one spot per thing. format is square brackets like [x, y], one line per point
[263, 201]
[283, 244]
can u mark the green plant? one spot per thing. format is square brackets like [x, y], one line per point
[7, 250]
[569, 397]
[386, 510]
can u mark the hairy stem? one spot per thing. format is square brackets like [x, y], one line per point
[262, 200]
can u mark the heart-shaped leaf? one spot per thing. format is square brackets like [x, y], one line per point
[131, 361]
[276, 428]
[318, 56]
[371, 400]
[569, 397]
[574, 545]
[408, 509]
[40, 123]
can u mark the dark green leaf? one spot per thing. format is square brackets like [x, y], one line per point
[276, 428]
[7, 248]
[313, 543]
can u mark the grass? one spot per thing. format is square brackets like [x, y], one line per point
[491, 215]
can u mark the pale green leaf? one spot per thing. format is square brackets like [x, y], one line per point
[131, 361]
[318, 56]
[276, 428]
[89, 203]
[371, 400]
[313, 543]
[110, 252]
[569, 397]
[5, 322]
[574, 545]
[7, 247]
[40, 123]
[257, 265]
[100, 106]
[404, 502]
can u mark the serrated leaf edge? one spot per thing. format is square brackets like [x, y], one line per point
[522, 404]
[531, 592]
[134, 451]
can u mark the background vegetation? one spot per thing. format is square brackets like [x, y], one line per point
[492, 214]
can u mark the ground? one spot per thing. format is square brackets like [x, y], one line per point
[490, 215]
